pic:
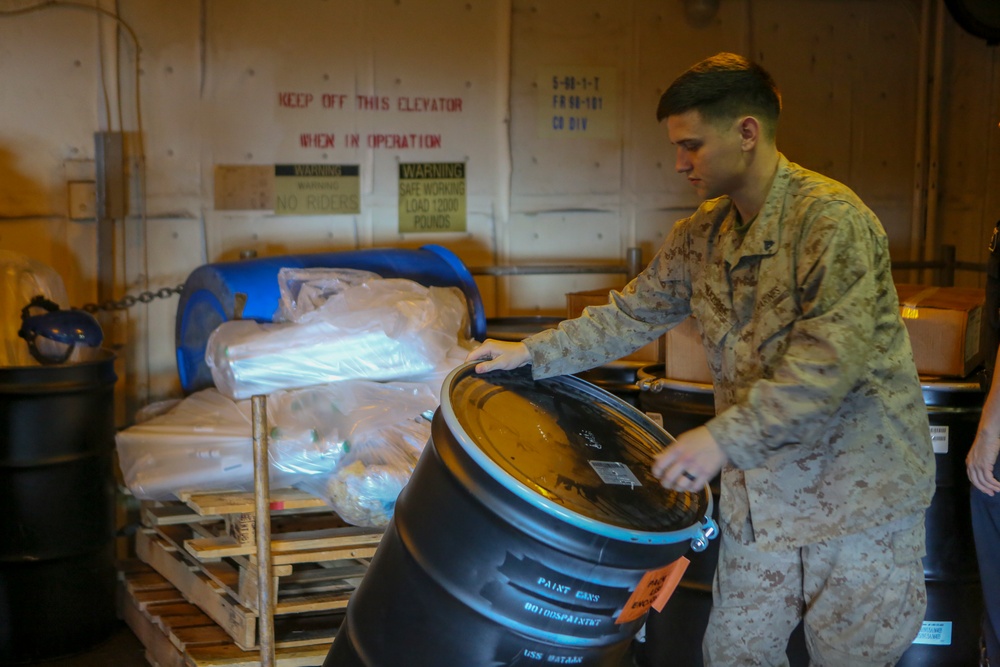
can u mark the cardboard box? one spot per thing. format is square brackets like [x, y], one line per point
[684, 357]
[943, 323]
[577, 301]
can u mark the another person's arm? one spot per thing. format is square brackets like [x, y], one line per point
[982, 457]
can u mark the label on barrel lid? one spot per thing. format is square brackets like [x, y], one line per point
[613, 472]
[571, 444]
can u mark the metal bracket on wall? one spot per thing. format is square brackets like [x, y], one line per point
[112, 193]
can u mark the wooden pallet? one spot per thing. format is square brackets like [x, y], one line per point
[201, 548]
[177, 633]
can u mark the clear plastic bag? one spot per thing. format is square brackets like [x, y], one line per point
[393, 329]
[317, 427]
[435, 377]
[364, 487]
[305, 290]
[156, 409]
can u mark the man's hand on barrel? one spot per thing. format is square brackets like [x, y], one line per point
[690, 462]
[499, 355]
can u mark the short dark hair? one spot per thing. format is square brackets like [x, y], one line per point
[724, 87]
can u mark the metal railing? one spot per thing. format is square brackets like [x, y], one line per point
[944, 266]
[631, 268]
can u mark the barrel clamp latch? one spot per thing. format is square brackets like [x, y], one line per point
[709, 530]
[654, 386]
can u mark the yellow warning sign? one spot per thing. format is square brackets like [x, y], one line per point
[317, 189]
[432, 197]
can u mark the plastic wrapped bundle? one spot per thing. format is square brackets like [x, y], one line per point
[205, 442]
[379, 330]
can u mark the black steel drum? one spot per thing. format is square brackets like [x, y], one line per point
[57, 490]
[950, 634]
[531, 532]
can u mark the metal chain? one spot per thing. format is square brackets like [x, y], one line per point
[128, 301]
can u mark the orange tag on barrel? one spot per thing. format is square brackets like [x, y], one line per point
[653, 590]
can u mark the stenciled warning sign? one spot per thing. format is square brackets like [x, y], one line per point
[432, 197]
[577, 102]
[317, 189]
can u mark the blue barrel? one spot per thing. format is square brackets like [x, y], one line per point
[57, 491]
[210, 293]
[530, 533]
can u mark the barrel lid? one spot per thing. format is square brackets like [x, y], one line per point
[572, 450]
[96, 369]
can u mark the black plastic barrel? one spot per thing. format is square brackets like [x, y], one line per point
[621, 378]
[673, 636]
[950, 634]
[57, 494]
[530, 531]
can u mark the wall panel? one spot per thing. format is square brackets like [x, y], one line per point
[565, 36]
[969, 167]
[171, 76]
[667, 44]
[51, 105]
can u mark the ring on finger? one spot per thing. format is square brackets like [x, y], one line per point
[688, 475]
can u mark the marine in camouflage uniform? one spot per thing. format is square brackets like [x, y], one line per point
[819, 410]
[820, 421]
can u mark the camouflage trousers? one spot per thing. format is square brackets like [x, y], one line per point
[861, 599]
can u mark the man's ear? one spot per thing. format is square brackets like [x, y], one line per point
[750, 132]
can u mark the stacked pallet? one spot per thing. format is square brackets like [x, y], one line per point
[203, 549]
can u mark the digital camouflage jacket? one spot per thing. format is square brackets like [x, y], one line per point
[818, 403]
